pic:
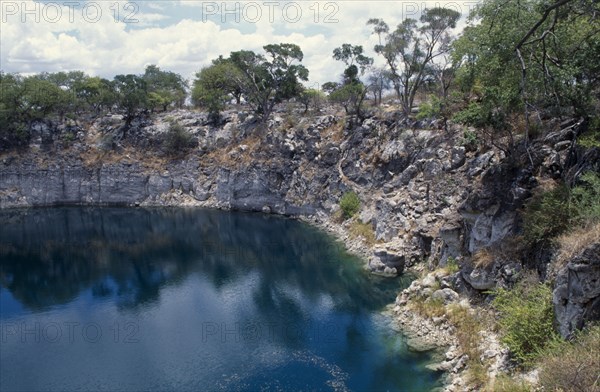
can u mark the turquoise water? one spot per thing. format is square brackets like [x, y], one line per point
[105, 299]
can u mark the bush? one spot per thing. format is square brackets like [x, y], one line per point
[585, 199]
[547, 215]
[525, 319]
[430, 109]
[573, 366]
[349, 204]
[177, 139]
[561, 209]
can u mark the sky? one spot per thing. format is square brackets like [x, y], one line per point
[106, 38]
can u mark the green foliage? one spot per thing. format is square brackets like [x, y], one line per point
[132, 94]
[560, 57]
[547, 215]
[412, 47]
[311, 98]
[452, 265]
[352, 55]
[164, 88]
[214, 86]
[572, 366]
[591, 138]
[349, 204]
[432, 108]
[177, 140]
[556, 211]
[97, 93]
[469, 139]
[526, 319]
[585, 199]
[350, 96]
[266, 80]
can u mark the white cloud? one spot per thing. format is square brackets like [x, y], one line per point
[176, 38]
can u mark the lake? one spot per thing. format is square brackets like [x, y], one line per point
[105, 299]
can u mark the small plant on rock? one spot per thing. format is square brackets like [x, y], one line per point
[349, 204]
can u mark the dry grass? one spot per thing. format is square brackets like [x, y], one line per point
[573, 242]
[483, 258]
[363, 230]
[336, 131]
[93, 158]
[469, 326]
[504, 383]
[571, 367]
[428, 307]
[508, 249]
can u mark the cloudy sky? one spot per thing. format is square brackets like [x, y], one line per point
[106, 38]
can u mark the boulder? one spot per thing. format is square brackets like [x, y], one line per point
[384, 261]
[480, 279]
[576, 296]
[446, 295]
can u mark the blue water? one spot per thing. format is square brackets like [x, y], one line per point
[105, 299]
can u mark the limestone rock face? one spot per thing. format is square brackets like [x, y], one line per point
[387, 263]
[577, 294]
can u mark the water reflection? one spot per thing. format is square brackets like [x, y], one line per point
[215, 299]
[48, 256]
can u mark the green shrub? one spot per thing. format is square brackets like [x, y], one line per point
[547, 215]
[525, 319]
[561, 209]
[349, 204]
[452, 266]
[431, 108]
[572, 366]
[585, 199]
[177, 139]
[591, 137]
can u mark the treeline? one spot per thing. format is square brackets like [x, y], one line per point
[515, 66]
[69, 94]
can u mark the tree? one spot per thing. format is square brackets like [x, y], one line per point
[410, 48]
[351, 97]
[528, 57]
[132, 96]
[97, 93]
[13, 130]
[351, 92]
[268, 80]
[352, 55]
[40, 98]
[164, 88]
[378, 81]
[329, 87]
[214, 86]
[311, 97]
